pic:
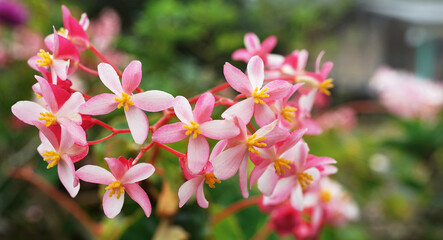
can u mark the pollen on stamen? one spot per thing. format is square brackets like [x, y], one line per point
[117, 188]
[45, 60]
[259, 95]
[125, 101]
[280, 164]
[51, 157]
[325, 196]
[192, 128]
[325, 86]
[288, 113]
[210, 179]
[305, 180]
[48, 117]
[253, 141]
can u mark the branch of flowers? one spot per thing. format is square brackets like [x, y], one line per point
[88, 70]
[225, 102]
[239, 96]
[142, 151]
[263, 233]
[96, 121]
[26, 173]
[235, 207]
[166, 116]
[154, 155]
[212, 90]
[114, 132]
[104, 59]
[169, 149]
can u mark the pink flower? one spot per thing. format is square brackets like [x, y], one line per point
[258, 96]
[195, 181]
[63, 61]
[198, 125]
[295, 63]
[133, 104]
[75, 30]
[254, 48]
[59, 148]
[303, 172]
[62, 108]
[123, 177]
[235, 157]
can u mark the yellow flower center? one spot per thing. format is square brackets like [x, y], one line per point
[325, 86]
[288, 113]
[51, 157]
[304, 179]
[253, 141]
[49, 117]
[45, 60]
[62, 31]
[325, 196]
[193, 129]
[258, 96]
[117, 188]
[210, 180]
[125, 101]
[280, 164]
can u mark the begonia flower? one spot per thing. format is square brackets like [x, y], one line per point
[257, 96]
[62, 108]
[122, 97]
[124, 177]
[58, 147]
[76, 30]
[198, 125]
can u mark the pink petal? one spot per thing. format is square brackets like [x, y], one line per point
[183, 109]
[98, 105]
[70, 108]
[256, 173]
[169, 133]
[242, 110]
[66, 173]
[276, 135]
[49, 42]
[326, 69]
[67, 139]
[110, 78]
[237, 79]
[117, 167]
[138, 173]
[76, 131]
[282, 190]
[297, 198]
[318, 61]
[95, 174]
[226, 164]
[112, 206]
[256, 72]
[139, 196]
[203, 108]
[47, 133]
[243, 176]
[263, 114]
[315, 174]
[312, 126]
[198, 153]
[132, 75]
[302, 59]
[64, 48]
[188, 189]
[274, 60]
[291, 140]
[267, 182]
[218, 148]
[307, 101]
[60, 67]
[241, 55]
[268, 44]
[200, 195]
[317, 161]
[153, 100]
[32, 62]
[277, 89]
[252, 42]
[47, 94]
[328, 170]
[27, 111]
[138, 124]
[77, 152]
[301, 156]
[219, 129]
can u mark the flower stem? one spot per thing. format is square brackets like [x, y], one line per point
[104, 59]
[235, 207]
[173, 151]
[88, 70]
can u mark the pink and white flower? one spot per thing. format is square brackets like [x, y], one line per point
[198, 125]
[75, 30]
[62, 108]
[133, 104]
[257, 96]
[123, 178]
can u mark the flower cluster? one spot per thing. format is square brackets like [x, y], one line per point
[275, 96]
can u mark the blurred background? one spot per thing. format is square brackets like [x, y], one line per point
[392, 165]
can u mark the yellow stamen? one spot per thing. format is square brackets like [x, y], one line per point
[253, 141]
[62, 31]
[117, 188]
[38, 95]
[51, 157]
[193, 129]
[325, 86]
[210, 180]
[45, 60]
[325, 196]
[49, 117]
[288, 113]
[280, 164]
[125, 101]
[304, 179]
[258, 96]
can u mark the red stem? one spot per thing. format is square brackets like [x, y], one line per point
[251, 127]
[212, 90]
[104, 59]
[88, 70]
[289, 79]
[235, 207]
[96, 121]
[115, 132]
[142, 151]
[173, 151]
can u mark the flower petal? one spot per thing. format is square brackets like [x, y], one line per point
[70, 108]
[252, 42]
[47, 94]
[60, 67]
[198, 153]
[112, 206]
[242, 110]
[139, 196]
[187, 189]
[256, 173]
[200, 195]
[297, 198]
[203, 108]
[241, 55]
[267, 182]
[153, 100]
[110, 78]
[291, 140]
[66, 173]
[95, 174]
[138, 124]
[183, 109]
[117, 167]
[277, 89]
[219, 129]
[218, 148]
[237, 79]
[243, 176]
[169, 133]
[76, 131]
[256, 72]
[28, 111]
[132, 75]
[268, 44]
[274, 60]
[226, 164]
[137, 173]
[317, 161]
[263, 114]
[98, 105]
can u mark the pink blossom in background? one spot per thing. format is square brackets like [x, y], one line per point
[406, 95]
[343, 118]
